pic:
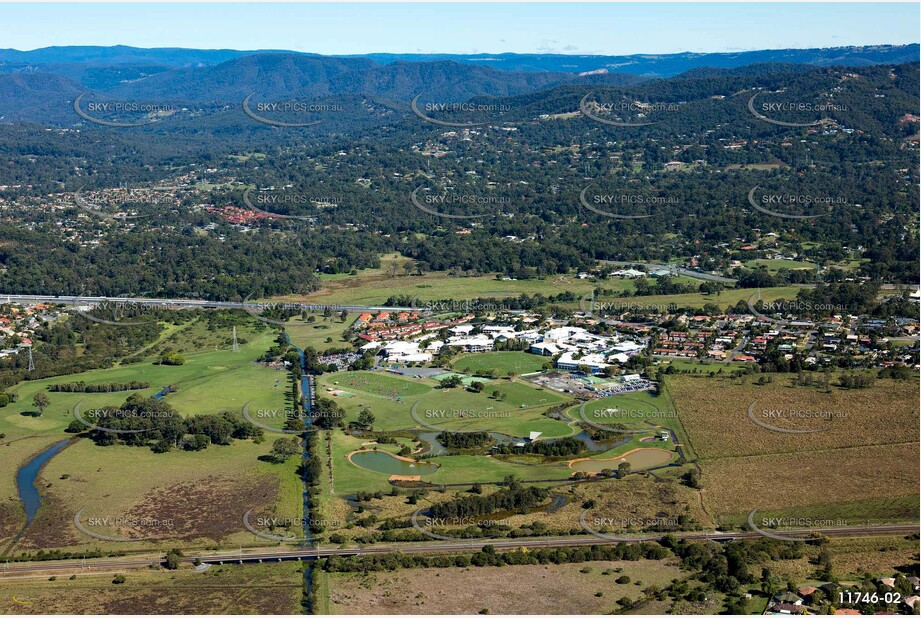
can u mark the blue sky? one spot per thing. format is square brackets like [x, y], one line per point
[569, 28]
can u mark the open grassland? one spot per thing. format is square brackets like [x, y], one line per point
[240, 589]
[715, 413]
[880, 556]
[638, 411]
[518, 409]
[726, 298]
[209, 382]
[733, 486]
[523, 589]
[773, 266]
[865, 452]
[374, 286]
[626, 505]
[199, 491]
[350, 478]
[501, 362]
[192, 497]
[321, 334]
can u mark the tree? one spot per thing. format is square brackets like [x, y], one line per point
[451, 382]
[623, 469]
[41, 401]
[365, 419]
[172, 358]
[283, 448]
[477, 386]
[172, 559]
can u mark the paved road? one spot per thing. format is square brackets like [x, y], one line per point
[179, 302]
[284, 554]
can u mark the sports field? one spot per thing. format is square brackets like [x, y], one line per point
[500, 362]
[518, 408]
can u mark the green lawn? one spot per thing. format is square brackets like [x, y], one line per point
[115, 479]
[391, 398]
[349, 478]
[502, 362]
[774, 266]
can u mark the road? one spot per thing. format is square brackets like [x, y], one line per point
[179, 302]
[285, 554]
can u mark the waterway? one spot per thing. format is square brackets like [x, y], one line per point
[26, 476]
[306, 399]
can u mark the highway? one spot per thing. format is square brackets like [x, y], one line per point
[179, 302]
[279, 554]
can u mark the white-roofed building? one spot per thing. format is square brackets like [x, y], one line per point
[405, 352]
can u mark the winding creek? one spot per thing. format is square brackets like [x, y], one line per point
[29, 496]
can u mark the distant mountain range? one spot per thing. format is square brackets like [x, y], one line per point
[649, 65]
[41, 85]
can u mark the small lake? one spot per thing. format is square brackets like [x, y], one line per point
[639, 459]
[385, 463]
[26, 476]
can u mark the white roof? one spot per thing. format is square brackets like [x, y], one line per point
[401, 347]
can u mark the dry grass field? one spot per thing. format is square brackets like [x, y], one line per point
[867, 451]
[250, 589]
[737, 485]
[524, 589]
[880, 556]
[715, 414]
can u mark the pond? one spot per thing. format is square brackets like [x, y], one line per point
[639, 459]
[25, 480]
[385, 463]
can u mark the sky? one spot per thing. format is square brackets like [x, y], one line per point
[359, 28]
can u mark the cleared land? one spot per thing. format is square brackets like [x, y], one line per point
[715, 413]
[524, 589]
[518, 409]
[865, 452]
[241, 589]
[200, 493]
[502, 362]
